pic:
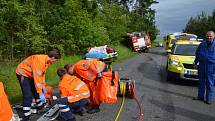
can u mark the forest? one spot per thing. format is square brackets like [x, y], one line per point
[35, 26]
[200, 24]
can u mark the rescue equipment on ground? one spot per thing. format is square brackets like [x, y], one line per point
[127, 89]
[107, 86]
[51, 114]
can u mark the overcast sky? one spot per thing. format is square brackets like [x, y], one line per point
[172, 15]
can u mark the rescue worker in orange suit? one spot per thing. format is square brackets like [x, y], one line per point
[89, 77]
[6, 113]
[74, 95]
[31, 75]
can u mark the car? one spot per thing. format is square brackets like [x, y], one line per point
[159, 44]
[180, 60]
[170, 39]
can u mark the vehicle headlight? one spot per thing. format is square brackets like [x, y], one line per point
[179, 68]
[175, 63]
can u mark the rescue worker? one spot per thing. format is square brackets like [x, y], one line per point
[70, 69]
[31, 75]
[74, 95]
[89, 71]
[205, 59]
[6, 113]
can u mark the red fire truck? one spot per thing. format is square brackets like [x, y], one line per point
[140, 41]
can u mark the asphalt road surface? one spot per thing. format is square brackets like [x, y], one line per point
[161, 100]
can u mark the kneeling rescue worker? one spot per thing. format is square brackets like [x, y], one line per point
[88, 71]
[74, 95]
[31, 75]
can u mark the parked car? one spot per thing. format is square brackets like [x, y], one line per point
[140, 41]
[159, 44]
[170, 39]
[180, 60]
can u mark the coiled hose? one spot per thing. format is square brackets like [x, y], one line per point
[123, 92]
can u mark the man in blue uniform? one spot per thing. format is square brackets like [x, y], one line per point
[205, 59]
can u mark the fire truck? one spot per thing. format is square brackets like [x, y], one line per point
[139, 41]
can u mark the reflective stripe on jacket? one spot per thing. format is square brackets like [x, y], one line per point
[73, 88]
[5, 109]
[88, 69]
[34, 67]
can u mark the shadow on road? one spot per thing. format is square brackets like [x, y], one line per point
[183, 112]
[163, 90]
[156, 72]
[184, 82]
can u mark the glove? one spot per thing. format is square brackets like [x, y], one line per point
[44, 90]
[42, 98]
[99, 75]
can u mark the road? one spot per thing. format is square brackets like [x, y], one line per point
[161, 100]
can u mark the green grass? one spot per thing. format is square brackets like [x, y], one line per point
[8, 75]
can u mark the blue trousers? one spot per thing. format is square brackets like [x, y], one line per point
[28, 92]
[67, 109]
[206, 81]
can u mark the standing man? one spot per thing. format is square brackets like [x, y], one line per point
[31, 76]
[205, 59]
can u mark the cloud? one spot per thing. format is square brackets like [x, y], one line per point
[172, 15]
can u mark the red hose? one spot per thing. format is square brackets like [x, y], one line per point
[141, 110]
[138, 103]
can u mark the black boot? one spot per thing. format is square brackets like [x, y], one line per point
[26, 118]
[94, 109]
[81, 112]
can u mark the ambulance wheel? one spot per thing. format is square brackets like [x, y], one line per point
[166, 66]
[168, 77]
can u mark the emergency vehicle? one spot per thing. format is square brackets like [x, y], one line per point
[139, 41]
[170, 39]
[180, 60]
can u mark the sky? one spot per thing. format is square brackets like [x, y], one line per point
[173, 15]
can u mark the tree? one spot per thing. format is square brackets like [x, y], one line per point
[200, 24]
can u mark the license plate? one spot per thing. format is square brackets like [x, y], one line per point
[189, 72]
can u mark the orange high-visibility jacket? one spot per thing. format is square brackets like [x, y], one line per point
[88, 69]
[73, 88]
[5, 109]
[34, 67]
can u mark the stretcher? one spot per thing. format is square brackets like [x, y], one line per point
[102, 53]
